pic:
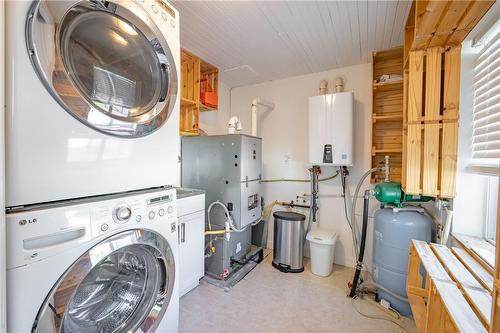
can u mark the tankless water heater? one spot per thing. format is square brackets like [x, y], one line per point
[331, 129]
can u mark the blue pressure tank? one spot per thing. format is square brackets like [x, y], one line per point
[393, 230]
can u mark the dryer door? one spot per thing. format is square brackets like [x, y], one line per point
[105, 62]
[123, 284]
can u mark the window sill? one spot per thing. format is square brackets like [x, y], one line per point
[478, 247]
[487, 170]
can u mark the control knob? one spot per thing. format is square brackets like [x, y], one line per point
[121, 214]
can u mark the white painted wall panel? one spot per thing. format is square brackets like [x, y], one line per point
[3, 307]
[285, 141]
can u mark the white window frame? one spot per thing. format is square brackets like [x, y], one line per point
[491, 204]
[485, 154]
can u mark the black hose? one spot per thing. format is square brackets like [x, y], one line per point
[291, 204]
[364, 228]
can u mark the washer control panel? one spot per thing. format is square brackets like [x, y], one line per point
[162, 9]
[134, 210]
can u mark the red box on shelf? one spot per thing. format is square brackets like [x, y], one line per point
[209, 98]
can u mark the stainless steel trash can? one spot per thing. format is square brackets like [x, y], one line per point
[288, 241]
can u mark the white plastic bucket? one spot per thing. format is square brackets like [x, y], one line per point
[322, 243]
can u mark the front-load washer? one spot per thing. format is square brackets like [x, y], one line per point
[92, 98]
[104, 264]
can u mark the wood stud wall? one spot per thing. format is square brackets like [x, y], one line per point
[192, 71]
[387, 113]
[433, 23]
[432, 121]
[190, 92]
[433, 33]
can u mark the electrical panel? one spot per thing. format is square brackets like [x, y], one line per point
[331, 129]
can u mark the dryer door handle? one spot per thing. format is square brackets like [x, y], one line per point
[53, 239]
[165, 81]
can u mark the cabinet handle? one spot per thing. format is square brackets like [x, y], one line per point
[183, 232]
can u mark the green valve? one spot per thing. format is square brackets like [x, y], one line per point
[392, 193]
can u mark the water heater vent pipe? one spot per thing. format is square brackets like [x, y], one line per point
[339, 84]
[255, 105]
[323, 86]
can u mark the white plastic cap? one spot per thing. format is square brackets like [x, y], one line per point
[322, 236]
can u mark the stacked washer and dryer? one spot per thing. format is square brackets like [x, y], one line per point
[92, 153]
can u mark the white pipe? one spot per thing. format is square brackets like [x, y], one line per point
[255, 104]
[254, 120]
[447, 226]
[234, 125]
[323, 85]
[339, 84]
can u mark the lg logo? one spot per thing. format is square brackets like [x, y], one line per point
[28, 221]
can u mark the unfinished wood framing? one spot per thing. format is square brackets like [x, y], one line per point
[441, 23]
[193, 71]
[190, 91]
[387, 114]
[446, 296]
[431, 122]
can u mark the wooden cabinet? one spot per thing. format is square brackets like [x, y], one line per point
[198, 78]
[387, 113]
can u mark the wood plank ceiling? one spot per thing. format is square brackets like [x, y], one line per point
[252, 42]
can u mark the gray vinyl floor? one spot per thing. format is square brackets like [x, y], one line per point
[267, 300]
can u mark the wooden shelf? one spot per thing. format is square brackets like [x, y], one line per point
[205, 108]
[390, 85]
[386, 151]
[189, 133]
[196, 75]
[388, 117]
[187, 102]
[387, 113]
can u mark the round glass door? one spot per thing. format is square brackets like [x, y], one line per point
[113, 65]
[107, 64]
[123, 284]
[116, 294]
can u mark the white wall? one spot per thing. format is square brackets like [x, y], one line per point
[3, 327]
[469, 204]
[285, 141]
[215, 122]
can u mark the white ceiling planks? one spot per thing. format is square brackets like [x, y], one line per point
[252, 42]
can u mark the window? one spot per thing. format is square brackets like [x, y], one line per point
[485, 155]
[486, 120]
[491, 209]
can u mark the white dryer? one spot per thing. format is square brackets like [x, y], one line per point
[107, 265]
[92, 98]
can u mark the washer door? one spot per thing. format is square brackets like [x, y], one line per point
[105, 62]
[123, 284]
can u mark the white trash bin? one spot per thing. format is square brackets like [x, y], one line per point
[322, 243]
